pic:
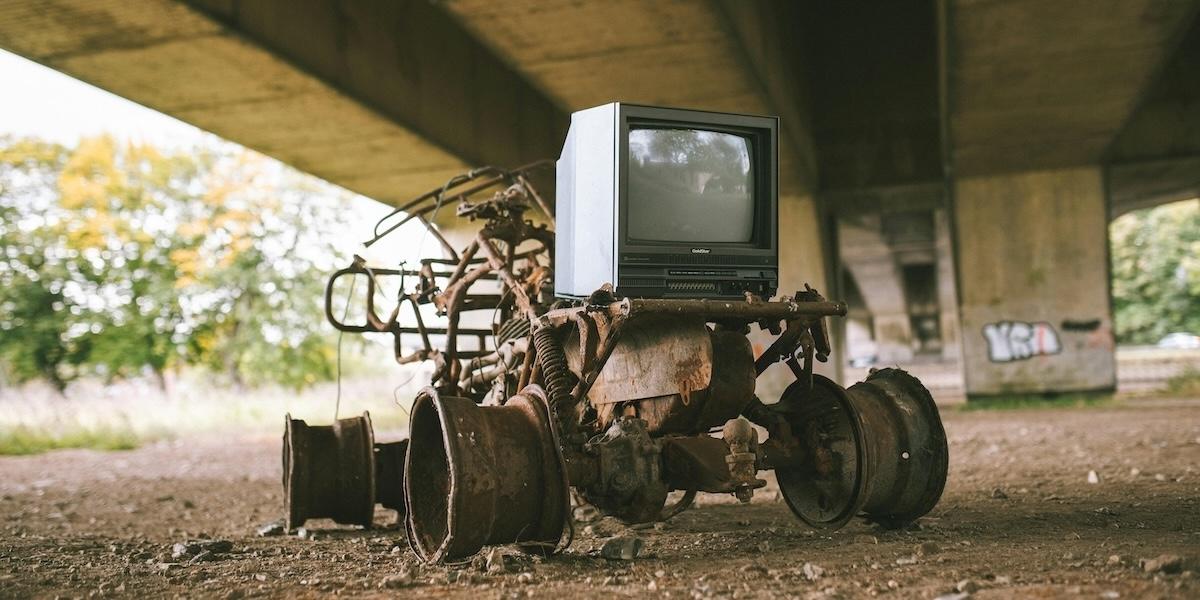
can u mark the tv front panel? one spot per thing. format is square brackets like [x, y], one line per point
[667, 202]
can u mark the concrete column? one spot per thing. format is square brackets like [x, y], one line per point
[801, 256]
[893, 338]
[946, 292]
[872, 263]
[1034, 281]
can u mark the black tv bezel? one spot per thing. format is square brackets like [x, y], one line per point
[763, 133]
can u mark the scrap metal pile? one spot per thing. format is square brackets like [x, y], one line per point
[619, 399]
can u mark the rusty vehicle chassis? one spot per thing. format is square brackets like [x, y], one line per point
[615, 398]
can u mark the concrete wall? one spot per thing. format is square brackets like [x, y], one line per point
[947, 290]
[1034, 282]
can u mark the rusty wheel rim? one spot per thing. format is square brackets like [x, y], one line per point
[830, 491]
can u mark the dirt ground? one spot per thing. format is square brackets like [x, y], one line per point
[1019, 519]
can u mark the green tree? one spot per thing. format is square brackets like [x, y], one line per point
[122, 260]
[1156, 271]
[35, 315]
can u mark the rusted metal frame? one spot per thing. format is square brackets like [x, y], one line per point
[441, 195]
[510, 250]
[527, 367]
[524, 254]
[724, 310]
[590, 373]
[438, 236]
[468, 254]
[785, 345]
[456, 292]
[520, 295]
[438, 197]
[775, 453]
[537, 198]
[477, 364]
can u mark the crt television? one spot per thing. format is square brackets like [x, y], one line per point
[667, 203]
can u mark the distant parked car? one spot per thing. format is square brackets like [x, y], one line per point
[1180, 341]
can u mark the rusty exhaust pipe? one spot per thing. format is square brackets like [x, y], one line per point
[482, 475]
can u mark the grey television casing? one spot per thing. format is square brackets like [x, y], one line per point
[591, 247]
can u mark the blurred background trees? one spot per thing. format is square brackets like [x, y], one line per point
[121, 259]
[1156, 272]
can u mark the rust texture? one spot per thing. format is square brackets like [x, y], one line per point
[613, 397]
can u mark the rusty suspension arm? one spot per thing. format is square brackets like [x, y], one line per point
[711, 310]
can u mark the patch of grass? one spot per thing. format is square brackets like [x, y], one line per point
[23, 440]
[1038, 401]
[1185, 384]
[36, 418]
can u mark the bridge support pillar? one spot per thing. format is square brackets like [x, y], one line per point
[1033, 271]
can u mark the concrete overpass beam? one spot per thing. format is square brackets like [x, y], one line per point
[866, 254]
[1034, 281]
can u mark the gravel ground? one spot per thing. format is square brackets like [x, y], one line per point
[1097, 502]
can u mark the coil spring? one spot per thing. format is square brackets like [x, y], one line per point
[514, 328]
[555, 373]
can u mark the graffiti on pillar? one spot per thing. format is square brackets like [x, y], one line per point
[1017, 340]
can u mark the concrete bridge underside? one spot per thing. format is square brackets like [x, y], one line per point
[992, 116]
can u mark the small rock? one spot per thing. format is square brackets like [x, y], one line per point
[1004, 580]
[999, 494]
[954, 596]
[622, 547]
[586, 514]
[1160, 477]
[180, 550]
[498, 561]
[1115, 560]
[1134, 472]
[1093, 477]
[652, 586]
[764, 546]
[907, 560]
[305, 534]
[203, 556]
[927, 548]
[1165, 563]
[270, 529]
[743, 522]
[967, 586]
[399, 580]
[1110, 594]
[813, 572]
[660, 526]
[525, 578]
[214, 546]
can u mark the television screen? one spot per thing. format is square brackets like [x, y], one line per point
[690, 185]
